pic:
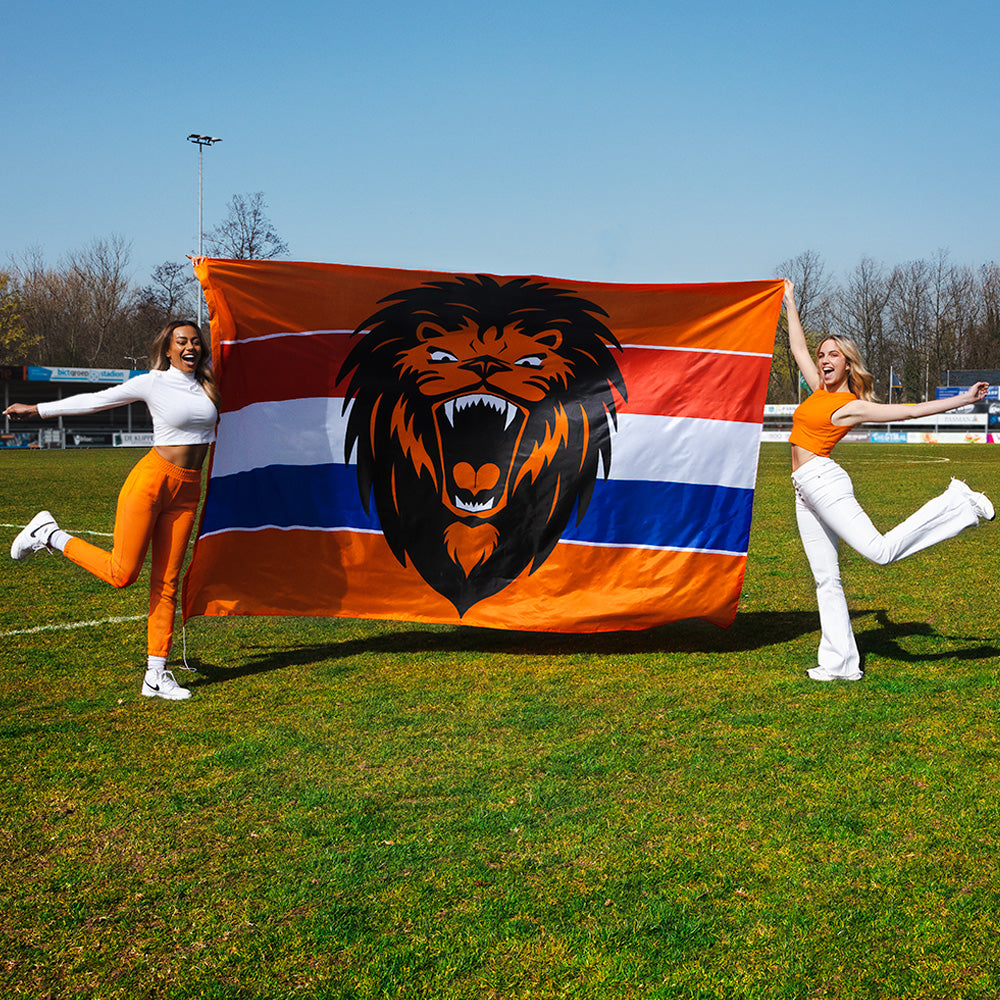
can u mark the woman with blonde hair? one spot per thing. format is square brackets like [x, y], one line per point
[157, 504]
[825, 508]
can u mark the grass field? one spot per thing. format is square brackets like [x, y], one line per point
[350, 809]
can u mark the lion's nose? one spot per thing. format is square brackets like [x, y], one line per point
[485, 367]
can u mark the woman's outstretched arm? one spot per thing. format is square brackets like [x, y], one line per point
[862, 411]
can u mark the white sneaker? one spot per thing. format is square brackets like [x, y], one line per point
[34, 537]
[980, 501]
[161, 684]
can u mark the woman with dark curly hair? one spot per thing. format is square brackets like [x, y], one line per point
[825, 507]
[157, 504]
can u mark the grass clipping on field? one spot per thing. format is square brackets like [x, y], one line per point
[364, 809]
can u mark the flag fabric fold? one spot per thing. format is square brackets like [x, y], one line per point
[514, 452]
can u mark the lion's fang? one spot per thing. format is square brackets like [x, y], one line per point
[508, 410]
[473, 508]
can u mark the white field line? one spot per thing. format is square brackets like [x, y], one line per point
[931, 460]
[103, 534]
[68, 626]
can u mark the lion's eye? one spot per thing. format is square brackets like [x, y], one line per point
[437, 356]
[531, 361]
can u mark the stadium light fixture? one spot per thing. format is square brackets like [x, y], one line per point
[201, 141]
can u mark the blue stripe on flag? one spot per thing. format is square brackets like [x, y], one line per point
[667, 515]
[621, 512]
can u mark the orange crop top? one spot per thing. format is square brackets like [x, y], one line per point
[811, 426]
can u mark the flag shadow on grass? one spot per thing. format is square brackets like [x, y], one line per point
[750, 631]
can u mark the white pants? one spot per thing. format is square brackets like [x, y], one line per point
[826, 510]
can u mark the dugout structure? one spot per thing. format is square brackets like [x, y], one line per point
[123, 426]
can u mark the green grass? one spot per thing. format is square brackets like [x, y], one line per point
[352, 809]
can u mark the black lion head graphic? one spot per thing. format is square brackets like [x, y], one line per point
[480, 412]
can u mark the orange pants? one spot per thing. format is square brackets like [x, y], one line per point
[156, 506]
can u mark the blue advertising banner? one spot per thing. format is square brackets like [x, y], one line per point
[947, 391]
[38, 373]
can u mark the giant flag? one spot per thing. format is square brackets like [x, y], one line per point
[516, 452]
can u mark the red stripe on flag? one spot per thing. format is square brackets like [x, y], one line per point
[695, 384]
[302, 367]
[247, 573]
[260, 298]
[661, 382]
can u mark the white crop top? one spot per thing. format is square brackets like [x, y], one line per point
[181, 412]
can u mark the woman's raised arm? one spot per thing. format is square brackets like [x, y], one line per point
[797, 340]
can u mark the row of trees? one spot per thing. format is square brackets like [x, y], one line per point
[915, 320]
[87, 312]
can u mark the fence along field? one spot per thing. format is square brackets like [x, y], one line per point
[358, 809]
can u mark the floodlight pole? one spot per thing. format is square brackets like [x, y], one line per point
[201, 141]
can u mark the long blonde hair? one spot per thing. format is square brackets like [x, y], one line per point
[859, 380]
[203, 373]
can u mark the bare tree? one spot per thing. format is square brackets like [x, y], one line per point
[102, 268]
[966, 308]
[942, 347]
[81, 313]
[983, 347]
[53, 309]
[171, 286]
[861, 312]
[910, 309]
[168, 296]
[956, 310]
[246, 233]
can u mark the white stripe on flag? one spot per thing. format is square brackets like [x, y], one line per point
[646, 448]
[278, 336]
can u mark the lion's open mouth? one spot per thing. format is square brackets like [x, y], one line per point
[479, 434]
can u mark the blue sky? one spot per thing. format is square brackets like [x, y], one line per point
[625, 141]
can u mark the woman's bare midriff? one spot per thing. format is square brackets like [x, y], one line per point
[184, 456]
[800, 456]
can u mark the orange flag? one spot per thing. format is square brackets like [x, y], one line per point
[516, 452]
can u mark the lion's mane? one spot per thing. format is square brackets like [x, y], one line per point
[480, 413]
